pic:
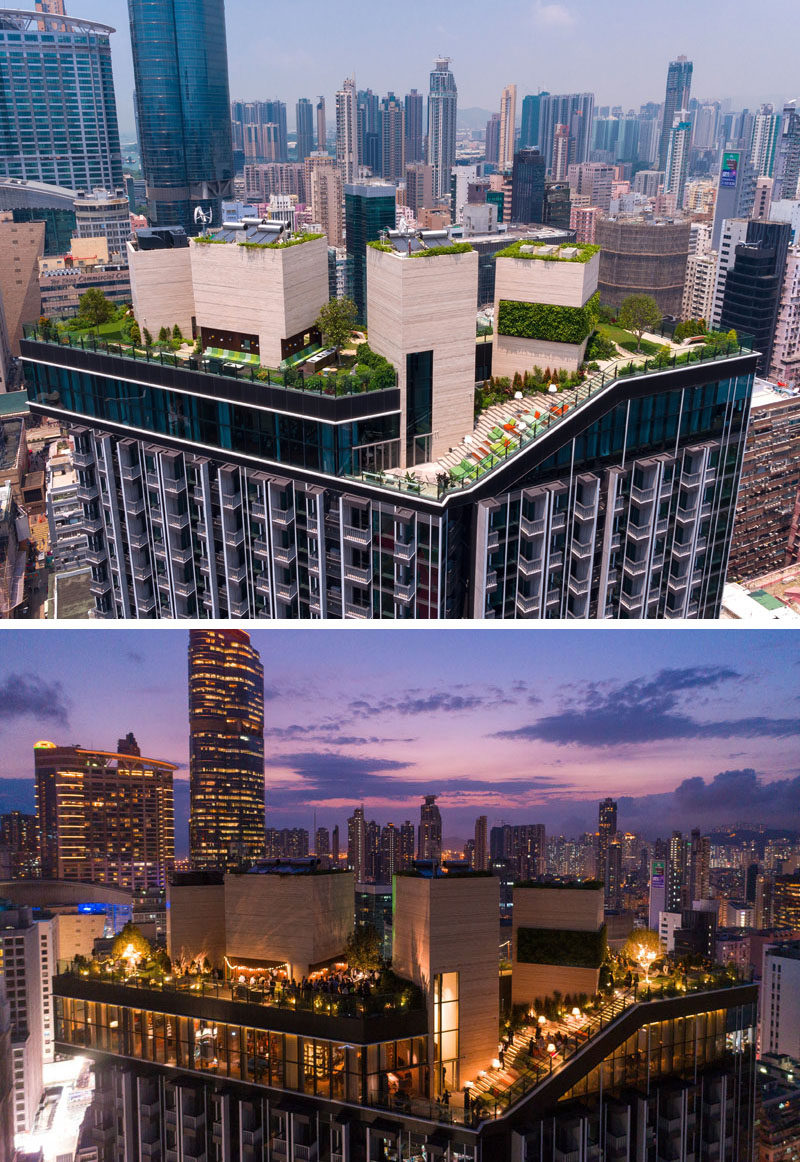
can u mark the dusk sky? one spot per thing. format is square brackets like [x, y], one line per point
[619, 51]
[685, 727]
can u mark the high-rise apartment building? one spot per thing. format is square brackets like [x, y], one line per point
[442, 111]
[226, 749]
[786, 902]
[571, 143]
[58, 116]
[368, 132]
[527, 186]
[228, 512]
[21, 968]
[606, 830]
[183, 110]
[508, 127]
[780, 1000]
[491, 151]
[787, 155]
[592, 179]
[677, 162]
[326, 190]
[481, 843]
[104, 817]
[415, 138]
[429, 835]
[676, 873]
[785, 366]
[698, 872]
[347, 130]
[392, 129]
[419, 186]
[305, 129]
[259, 130]
[677, 96]
[698, 288]
[529, 129]
[764, 142]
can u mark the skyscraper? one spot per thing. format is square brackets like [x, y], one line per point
[753, 286]
[766, 133]
[415, 139]
[680, 137]
[508, 121]
[226, 749]
[429, 835]
[442, 112]
[529, 130]
[368, 209]
[368, 131]
[347, 130]
[481, 843]
[787, 155]
[105, 817]
[573, 113]
[180, 66]
[607, 829]
[392, 128]
[678, 92]
[527, 186]
[58, 116]
[305, 128]
[322, 127]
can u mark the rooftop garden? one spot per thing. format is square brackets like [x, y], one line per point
[296, 240]
[360, 985]
[547, 252]
[433, 251]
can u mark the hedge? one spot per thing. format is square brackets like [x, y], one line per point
[586, 250]
[454, 248]
[547, 322]
[568, 948]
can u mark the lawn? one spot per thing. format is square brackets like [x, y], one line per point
[625, 338]
[112, 330]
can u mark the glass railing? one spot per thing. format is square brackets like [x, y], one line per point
[359, 1003]
[290, 377]
[558, 407]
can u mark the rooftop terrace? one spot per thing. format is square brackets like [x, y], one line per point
[550, 252]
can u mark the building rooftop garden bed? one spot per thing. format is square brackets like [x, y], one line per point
[297, 240]
[549, 252]
[434, 251]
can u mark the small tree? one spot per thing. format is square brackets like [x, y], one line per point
[148, 338]
[336, 321]
[135, 333]
[644, 948]
[639, 313]
[364, 949]
[131, 946]
[176, 332]
[163, 335]
[94, 308]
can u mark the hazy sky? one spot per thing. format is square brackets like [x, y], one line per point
[697, 726]
[617, 50]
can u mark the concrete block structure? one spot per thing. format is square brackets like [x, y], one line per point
[445, 940]
[558, 940]
[196, 917]
[534, 274]
[299, 919]
[160, 266]
[259, 292]
[421, 310]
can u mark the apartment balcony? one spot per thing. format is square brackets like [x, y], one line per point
[262, 584]
[138, 540]
[491, 580]
[234, 537]
[178, 520]
[86, 492]
[261, 548]
[239, 607]
[174, 484]
[130, 472]
[142, 572]
[360, 612]
[405, 593]
[258, 510]
[314, 566]
[279, 1147]
[632, 602]
[583, 550]
[146, 604]
[643, 495]
[283, 516]
[230, 500]
[580, 587]
[639, 532]
[151, 479]
[531, 528]
[529, 568]
[93, 524]
[357, 536]
[493, 539]
[529, 604]
[284, 554]
[686, 515]
[236, 573]
[95, 556]
[584, 511]
[286, 591]
[357, 574]
[83, 459]
[404, 550]
[691, 479]
[636, 568]
[304, 1153]
[182, 556]
[135, 506]
[682, 551]
[556, 559]
[252, 1137]
[99, 588]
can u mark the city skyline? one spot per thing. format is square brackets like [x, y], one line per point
[565, 37]
[579, 721]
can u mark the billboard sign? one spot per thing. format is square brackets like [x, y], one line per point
[729, 171]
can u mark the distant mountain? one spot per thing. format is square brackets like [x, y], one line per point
[473, 118]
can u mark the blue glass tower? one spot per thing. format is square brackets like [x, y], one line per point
[58, 118]
[180, 67]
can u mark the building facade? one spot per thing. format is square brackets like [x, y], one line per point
[104, 817]
[58, 121]
[442, 111]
